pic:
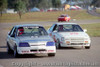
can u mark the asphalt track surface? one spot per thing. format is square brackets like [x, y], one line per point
[65, 57]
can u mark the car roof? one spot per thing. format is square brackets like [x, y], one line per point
[64, 15]
[66, 23]
[25, 25]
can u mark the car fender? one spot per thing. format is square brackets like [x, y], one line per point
[58, 37]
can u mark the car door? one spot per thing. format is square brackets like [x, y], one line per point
[50, 30]
[12, 37]
[54, 32]
[9, 37]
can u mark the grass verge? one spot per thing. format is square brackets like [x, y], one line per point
[46, 16]
[93, 29]
[98, 10]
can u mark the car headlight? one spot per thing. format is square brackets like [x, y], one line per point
[86, 41]
[24, 44]
[50, 43]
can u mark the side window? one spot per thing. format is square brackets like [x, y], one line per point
[11, 31]
[62, 15]
[55, 28]
[14, 32]
[51, 28]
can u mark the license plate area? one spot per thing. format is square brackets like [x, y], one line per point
[77, 44]
[38, 50]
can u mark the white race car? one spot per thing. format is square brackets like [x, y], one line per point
[69, 35]
[30, 39]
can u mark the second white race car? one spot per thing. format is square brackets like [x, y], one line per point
[69, 35]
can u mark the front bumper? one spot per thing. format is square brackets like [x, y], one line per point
[36, 50]
[75, 45]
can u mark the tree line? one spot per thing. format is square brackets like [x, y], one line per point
[21, 6]
[36, 3]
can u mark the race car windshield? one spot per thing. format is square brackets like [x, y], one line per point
[69, 28]
[31, 31]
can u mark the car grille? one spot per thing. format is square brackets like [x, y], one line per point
[77, 43]
[77, 40]
[37, 50]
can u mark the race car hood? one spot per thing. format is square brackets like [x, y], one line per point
[34, 38]
[73, 34]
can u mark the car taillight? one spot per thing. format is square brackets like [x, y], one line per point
[50, 44]
[65, 18]
[24, 44]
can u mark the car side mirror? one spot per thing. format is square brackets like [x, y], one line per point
[12, 35]
[55, 31]
[85, 30]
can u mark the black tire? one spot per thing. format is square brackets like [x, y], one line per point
[9, 51]
[51, 54]
[16, 55]
[87, 47]
[58, 46]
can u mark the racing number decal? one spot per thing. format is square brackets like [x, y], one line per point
[73, 33]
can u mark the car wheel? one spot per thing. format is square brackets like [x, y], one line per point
[51, 54]
[58, 46]
[16, 55]
[87, 47]
[9, 51]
